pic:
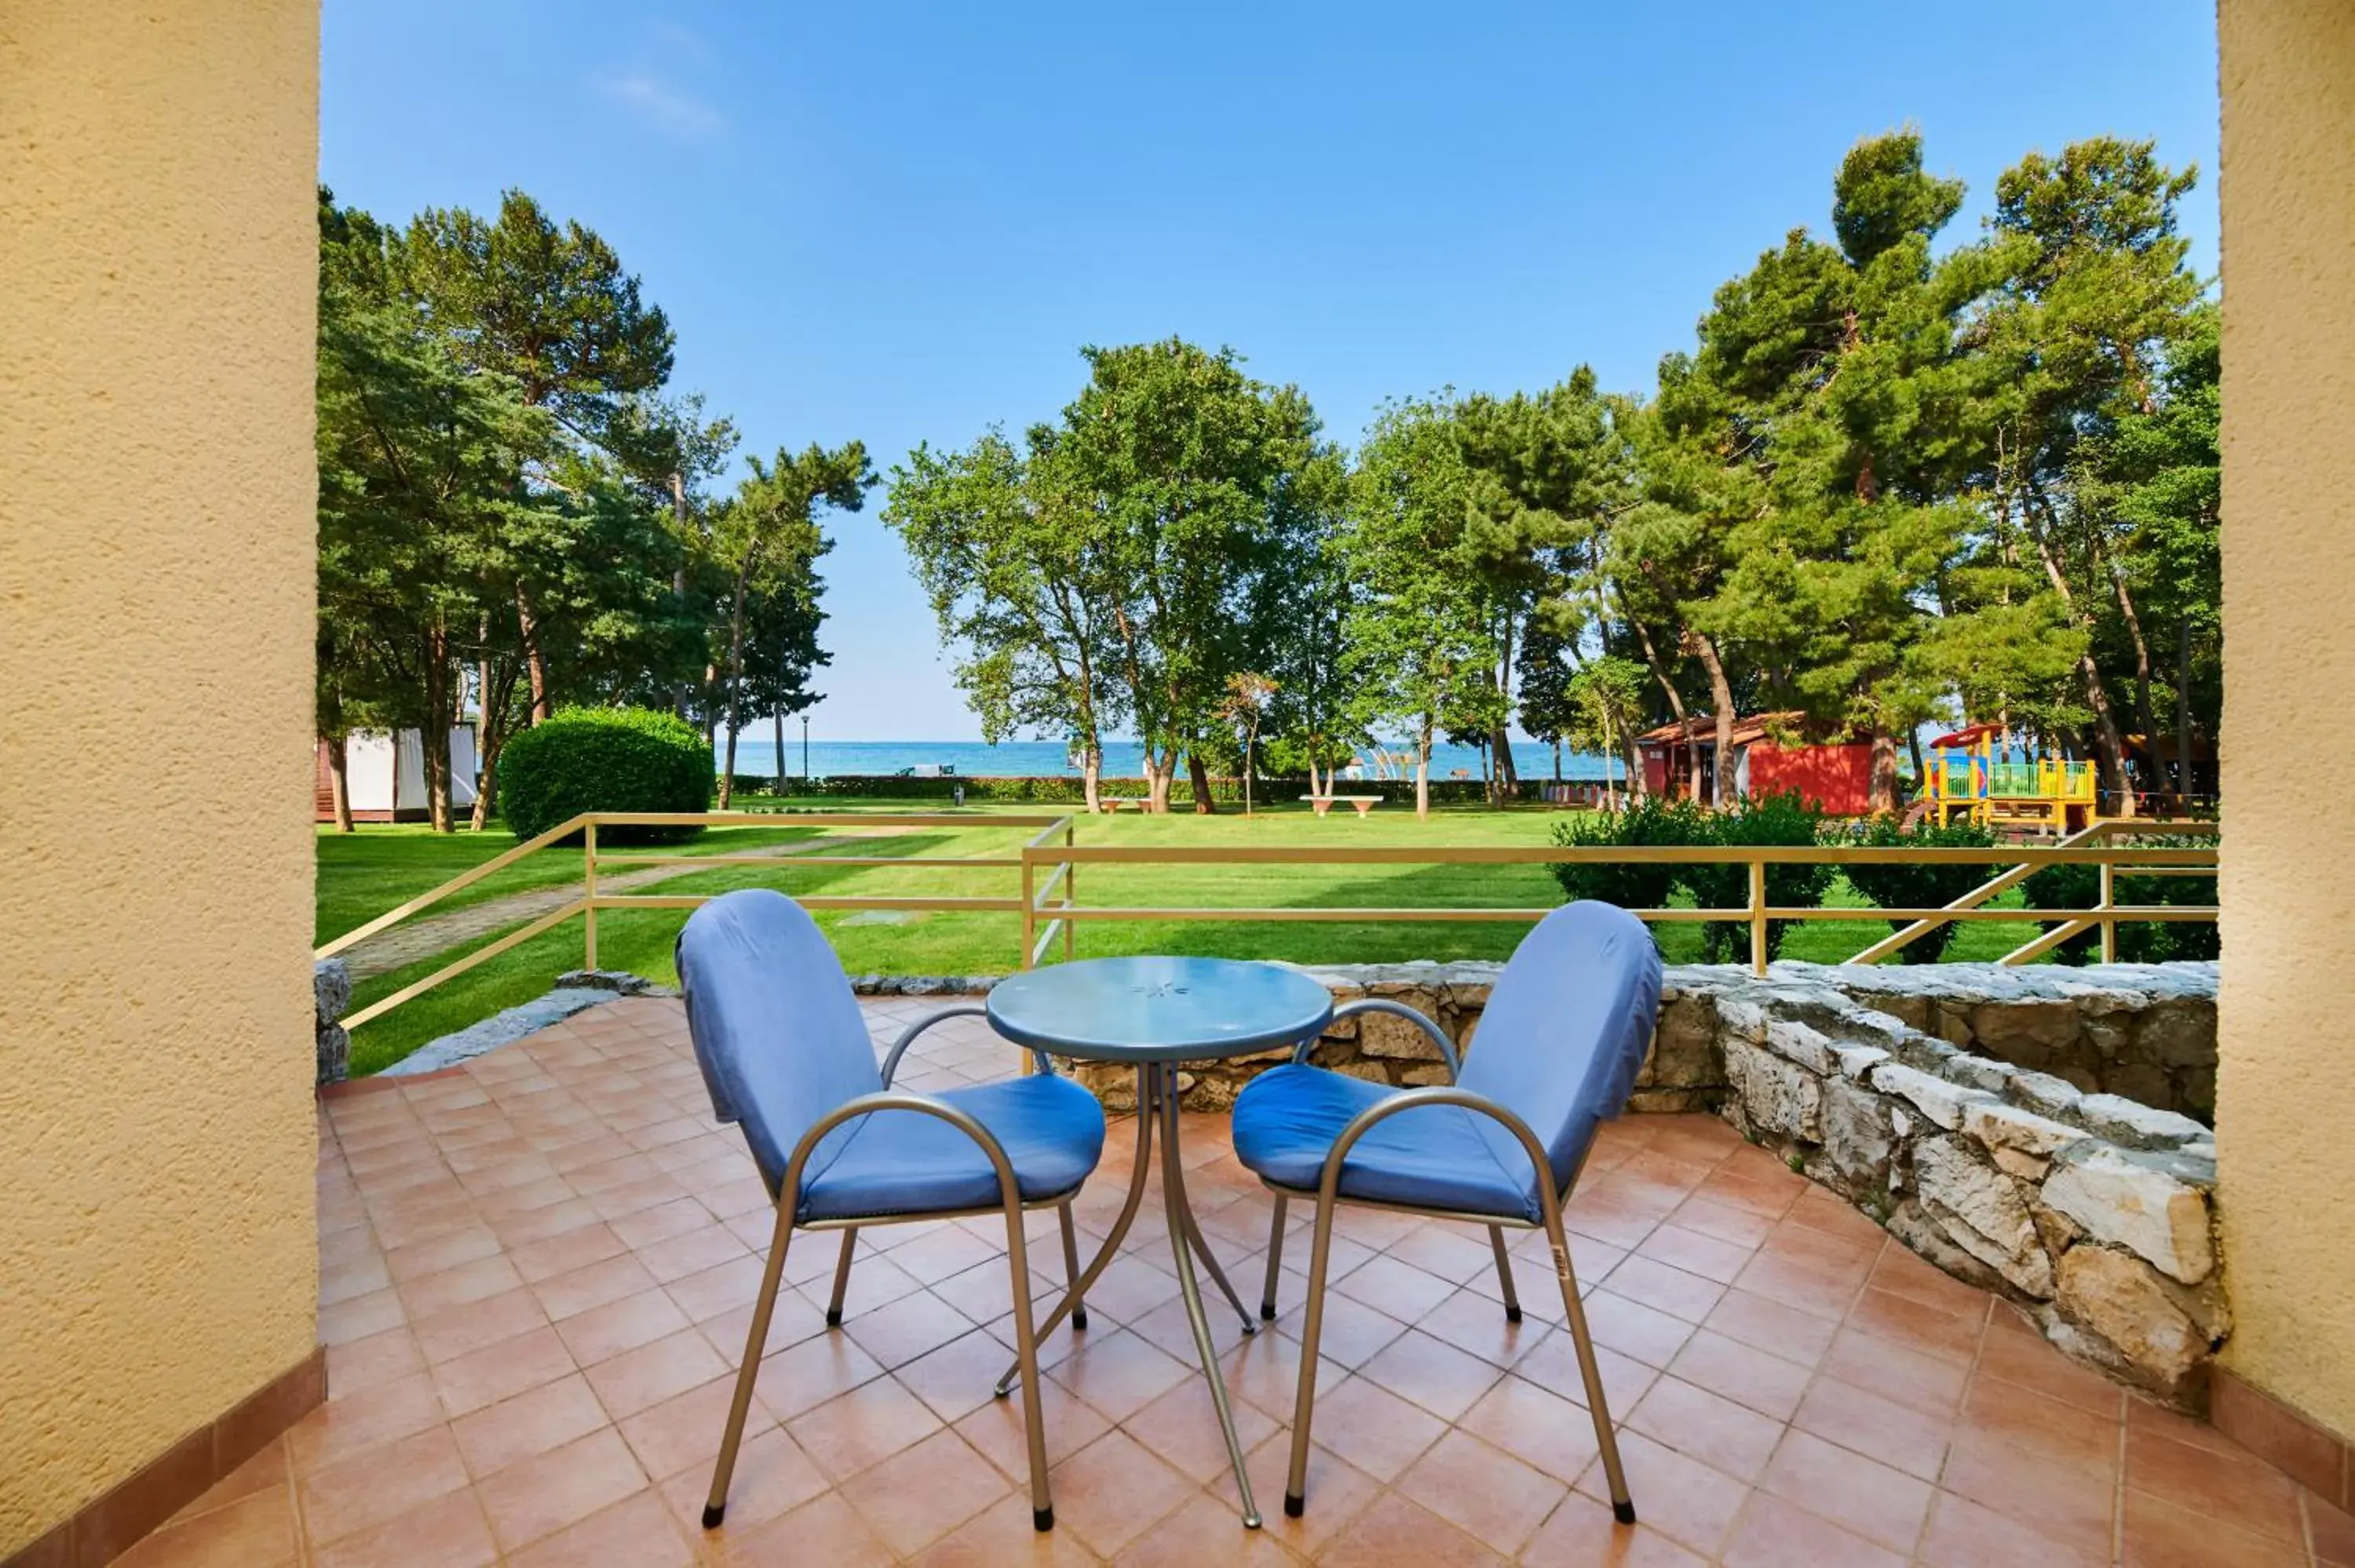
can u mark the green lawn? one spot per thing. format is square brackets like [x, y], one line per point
[379, 867]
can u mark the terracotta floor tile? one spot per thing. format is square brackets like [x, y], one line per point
[528, 1424]
[1721, 1223]
[1706, 1426]
[639, 1530]
[871, 1423]
[1483, 1490]
[684, 1430]
[958, 1377]
[772, 1476]
[898, 1332]
[1766, 1324]
[1553, 1366]
[1372, 1428]
[558, 1255]
[446, 1336]
[257, 1531]
[359, 1316]
[1695, 1253]
[1678, 1496]
[610, 1278]
[824, 1530]
[1119, 1373]
[1582, 1533]
[1395, 1534]
[1352, 1333]
[1395, 1287]
[1928, 1384]
[1863, 1497]
[1204, 1529]
[2331, 1531]
[2159, 1534]
[1664, 1288]
[1649, 1335]
[450, 1532]
[1798, 1285]
[2063, 1433]
[358, 1423]
[1438, 1377]
[1864, 1422]
[1766, 1384]
[502, 1371]
[917, 1495]
[639, 1379]
[1541, 1429]
[1002, 1536]
[381, 1358]
[1477, 1324]
[2073, 1506]
[998, 1432]
[1182, 1429]
[602, 1332]
[563, 1485]
[1113, 1490]
[2030, 1363]
[1962, 1534]
[1918, 1326]
[1265, 1371]
[2240, 1490]
[466, 1282]
[369, 1488]
[1773, 1534]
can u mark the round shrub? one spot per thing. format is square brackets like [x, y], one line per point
[606, 759]
[2139, 942]
[1920, 887]
[1651, 822]
[1782, 818]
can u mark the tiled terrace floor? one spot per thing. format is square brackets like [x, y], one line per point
[535, 1279]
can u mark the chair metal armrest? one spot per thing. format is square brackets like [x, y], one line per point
[960, 1010]
[789, 1192]
[1365, 1121]
[1397, 1010]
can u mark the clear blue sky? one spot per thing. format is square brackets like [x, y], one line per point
[900, 222]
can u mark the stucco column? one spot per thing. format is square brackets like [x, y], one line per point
[2286, 1089]
[158, 1249]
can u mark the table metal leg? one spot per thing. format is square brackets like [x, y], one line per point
[1209, 1261]
[1173, 1186]
[1078, 1291]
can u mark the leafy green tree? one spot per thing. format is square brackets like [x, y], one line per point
[766, 539]
[1606, 705]
[1421, 635]
[1245, 708]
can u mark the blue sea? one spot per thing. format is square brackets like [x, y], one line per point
[1123, 759]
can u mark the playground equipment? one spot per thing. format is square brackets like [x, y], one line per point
[1980, 775]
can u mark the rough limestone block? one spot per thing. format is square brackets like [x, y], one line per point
[1984, 1212]
[2043, 1092]
[2179, 1032]
[2129, 1203]
[335, 1054]
[331, 989]
[1777, 1096]
[2123, 1302]
[1999, 1125]
[1856, 1061]
[2133, 1124]
[2139, 1081]
[1857, 1132]
[1798, 1043]
[1684, 1045]
[1975, 1072]
[1741, 1018]
[2054, 1025]
[1388, 1036]
[1936, 1099]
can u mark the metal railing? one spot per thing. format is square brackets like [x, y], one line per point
[1047, 866]
[594, 899]
[2088, 847]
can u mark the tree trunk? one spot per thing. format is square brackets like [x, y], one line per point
[1199, 777]
[1422, 772]
[2183, 715]
[678, 589]
[1557, 762]
[1920, 767]
[433, 734]
[486, 780]
[779, 727]
[1882, 798]
[2145, 714]
[2110, 747]
[1721, 696]
[339, 781]
[1675, 711]
[1638, 787]
[1091, 776]
[527, 628]
[735, 687]
[1250, 742]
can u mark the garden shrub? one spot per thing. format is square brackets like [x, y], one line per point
[2139, 942]
[606, 759]
[1920, 887]
[1650, 820]
[1781, 818]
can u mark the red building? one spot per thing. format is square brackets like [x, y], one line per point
[1681, 761]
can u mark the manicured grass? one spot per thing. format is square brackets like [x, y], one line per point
[391, 864]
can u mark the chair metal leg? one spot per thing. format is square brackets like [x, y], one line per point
[1104, 1254]
[1026, 1363]
[841, 1278]
[1505, 1274]
[1274, 1261]
[714, 1506]
[1622, 1506]
[1304, 1406]
[1072, 1268]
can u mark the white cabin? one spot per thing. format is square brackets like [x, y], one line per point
[385, 774]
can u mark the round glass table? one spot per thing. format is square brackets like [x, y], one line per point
[1157, 1014]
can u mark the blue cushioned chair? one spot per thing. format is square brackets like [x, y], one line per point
[786, 1053]
[1566, 1027]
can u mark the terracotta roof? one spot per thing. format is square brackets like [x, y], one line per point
[1702, 728]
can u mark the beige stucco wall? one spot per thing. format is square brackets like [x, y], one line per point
[157, 1254]
[2286, 1091]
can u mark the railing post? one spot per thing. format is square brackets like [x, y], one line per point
[1029, 909]
[2109, 901]
[589, 889]
[1071, 895]
[1757, 913]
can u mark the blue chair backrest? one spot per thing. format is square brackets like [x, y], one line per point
[1566, 1028]
[776, 1029]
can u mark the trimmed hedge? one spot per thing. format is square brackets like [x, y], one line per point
[1067, 789]
[606, 759]
[2139, 942]
[1920, 887]
[1776, 818]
